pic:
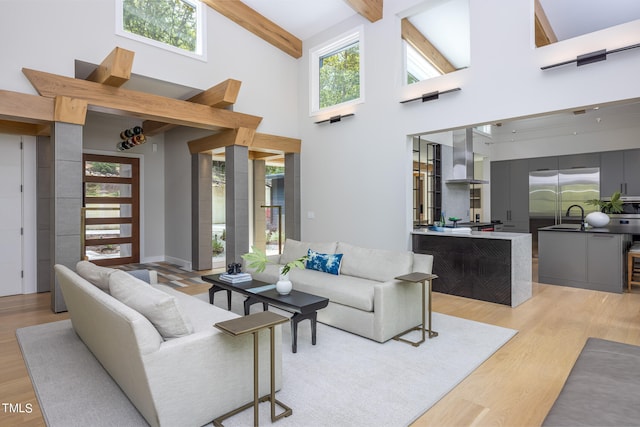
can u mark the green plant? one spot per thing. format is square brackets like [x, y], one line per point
[258, 259]
[216, 245]
[614, 205]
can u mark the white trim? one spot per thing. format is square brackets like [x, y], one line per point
[315, 53]
[29, 219]
[201, 37]
[179, 261]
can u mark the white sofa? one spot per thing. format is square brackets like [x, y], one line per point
[188, 377]
[364, 298]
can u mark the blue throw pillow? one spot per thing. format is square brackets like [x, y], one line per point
[141, 274]
[327, 263]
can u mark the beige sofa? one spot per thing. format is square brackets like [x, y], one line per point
[174, 366]
[364, 298]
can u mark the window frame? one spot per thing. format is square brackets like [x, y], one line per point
[201, 39]
[333, 46]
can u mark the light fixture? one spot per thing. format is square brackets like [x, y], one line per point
[430, 96]
[591, 57]
[335, 119]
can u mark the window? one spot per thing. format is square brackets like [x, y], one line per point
[418, 68]
[175, 25]
[337, 72]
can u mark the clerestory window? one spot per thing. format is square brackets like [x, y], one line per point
[176, 25]
[337, 72]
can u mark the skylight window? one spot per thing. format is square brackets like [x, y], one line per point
[176, 25]
[418, 68]
[337, 72]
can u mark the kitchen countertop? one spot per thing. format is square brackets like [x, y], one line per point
[473, 234]
[610, 229]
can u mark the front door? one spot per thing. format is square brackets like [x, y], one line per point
[111, 209]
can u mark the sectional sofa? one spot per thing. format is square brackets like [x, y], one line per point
[364, 297]
[161, 348]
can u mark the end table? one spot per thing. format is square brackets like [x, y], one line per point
[253, 324]
[419, 278]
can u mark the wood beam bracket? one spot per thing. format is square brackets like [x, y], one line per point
[70, 110]
[115, 70]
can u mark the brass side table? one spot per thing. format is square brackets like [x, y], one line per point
[253, 324]
[423, 278]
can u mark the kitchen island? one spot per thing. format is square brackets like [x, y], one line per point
[483, 265]
[594, 258]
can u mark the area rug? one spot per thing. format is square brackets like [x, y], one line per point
[344, 380]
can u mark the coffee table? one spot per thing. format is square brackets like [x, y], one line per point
[301, 304]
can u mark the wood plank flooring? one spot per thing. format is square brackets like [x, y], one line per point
[515, 387]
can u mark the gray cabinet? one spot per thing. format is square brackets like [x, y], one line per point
[574, 161]
[510, 194]
[619, 171]
[583, 260]
[543, 163]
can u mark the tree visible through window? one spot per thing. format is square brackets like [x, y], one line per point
[174, 22]
[340, 76]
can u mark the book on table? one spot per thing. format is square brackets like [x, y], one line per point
[235, 278]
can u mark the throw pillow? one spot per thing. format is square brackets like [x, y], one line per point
[327, 263]
[95, 274]
[160, 308]
[141, 274]
[294, 249]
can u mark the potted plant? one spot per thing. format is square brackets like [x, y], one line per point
[601, 218]
[258, 260]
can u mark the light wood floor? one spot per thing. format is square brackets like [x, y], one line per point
[515, 387]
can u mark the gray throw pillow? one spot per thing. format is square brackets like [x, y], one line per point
[95, 274]
[160, 308]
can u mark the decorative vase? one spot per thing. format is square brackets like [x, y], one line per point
[597, 219]
[284, 285]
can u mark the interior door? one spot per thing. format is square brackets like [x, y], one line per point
[111, 209]
[10, 215]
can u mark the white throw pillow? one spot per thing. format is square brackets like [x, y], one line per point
[95, 274]
[160, 308]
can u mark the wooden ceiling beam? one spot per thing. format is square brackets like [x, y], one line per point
[420, 43]
[271, 144]
[370, 9]
[69, 110]
[139, 104]
[115, 70]
[262, 27]
[22, 128]
[219, 96]
[22, 107]
[544, 33]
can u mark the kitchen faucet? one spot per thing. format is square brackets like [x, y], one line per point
[581, 215]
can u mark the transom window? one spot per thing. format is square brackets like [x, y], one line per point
[337, 72]
[176, 25]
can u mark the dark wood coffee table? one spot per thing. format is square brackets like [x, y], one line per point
[301, 304]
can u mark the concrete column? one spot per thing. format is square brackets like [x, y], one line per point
[292, 195]
[66, 202]
[237, 202]
[259, 199]
[44, 177]
[201, 211]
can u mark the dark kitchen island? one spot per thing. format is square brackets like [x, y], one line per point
[487, 266]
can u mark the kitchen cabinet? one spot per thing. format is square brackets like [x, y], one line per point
[510, 194]
[619, 172]
[543, 163]
[588, 260]
[574, 161]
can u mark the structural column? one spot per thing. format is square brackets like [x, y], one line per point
[65, 203]
[259, 200]
[43, 216]
[292, 195]
[237, 202]
[201, 211]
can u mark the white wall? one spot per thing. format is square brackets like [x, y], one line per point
[355, 174]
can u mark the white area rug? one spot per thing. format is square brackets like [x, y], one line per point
[344, 380]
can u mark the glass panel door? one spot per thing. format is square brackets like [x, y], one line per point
[111, 218]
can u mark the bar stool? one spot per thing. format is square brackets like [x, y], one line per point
[632, 255]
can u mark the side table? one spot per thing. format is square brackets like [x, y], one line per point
[253, 324]
[419, 278]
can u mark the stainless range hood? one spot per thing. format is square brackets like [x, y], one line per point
[463, 158]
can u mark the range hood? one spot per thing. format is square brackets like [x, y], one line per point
[463, 158]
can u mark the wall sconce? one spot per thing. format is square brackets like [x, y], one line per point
[335, 119]
[430, 96]
[588, 58]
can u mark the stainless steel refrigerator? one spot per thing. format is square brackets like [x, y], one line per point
[552, 192]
